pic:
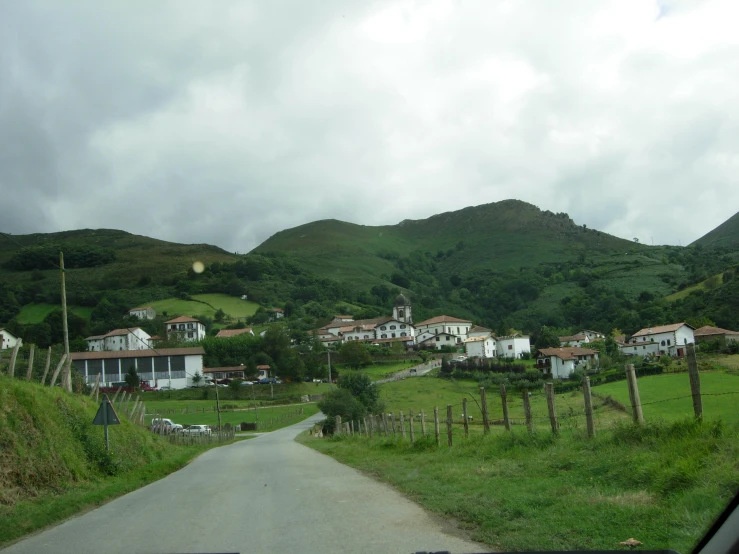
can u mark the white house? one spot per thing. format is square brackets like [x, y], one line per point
[708, 333]
[363, 332]
[561, 362]
[143, 312]
[513, 346]
[458, 328]
[342, 318]
[95, 343]
[640, 348]
[592, 335]
[120, 339]
[8, 339]
[574, 340]
[171, 367]
[277, 313]
[228, 333]
[437, 341]
[390, 328]
[670, 338]
[481, 346]
[184, 329]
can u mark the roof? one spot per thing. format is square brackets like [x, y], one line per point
[439, 335]
[141, 308]
[223, 369]
[121, 332]
[263, 366]
[572, 338]
[227, 333]
[478, 329]
[398, 339]
[620, 338]
[639, 343]
[707, 331]
[94, 337]
[442, 319]
[591, 331]
[660, 329]
[475, 339]
[192, 351]
[183, 319]
[565, 352]
[280, 310]
[6, 331]
[401, 300]
[342, 317]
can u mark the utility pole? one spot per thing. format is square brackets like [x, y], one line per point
[67, 379]
[254, 398]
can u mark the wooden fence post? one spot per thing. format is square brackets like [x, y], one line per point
[57, 370]
[392, 419]
[337, 425]
[384, 424]
[115, 396]
[695, 382]
[549, 390]
[46, 367]
[95, 384]
[636, 411]
[436, 426]
[423, 424]
[588, 406]
[527, 411]
[484, 409]
[402, 425]
[29, 371]
[410, 422]
[13, 357]
[449, 422]
[466, 421]
[504, 400]
[371, 420]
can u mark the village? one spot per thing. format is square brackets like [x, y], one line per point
[110, 356]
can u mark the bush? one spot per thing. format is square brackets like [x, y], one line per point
[342, 403]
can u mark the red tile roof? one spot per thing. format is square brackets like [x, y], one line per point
[566, 352]
[478, 329]
[264, 366]
[442, 319]
[120, 332]
[660, 329]
[572, 338]
[707, 331]
[227, 333]
[183, 319]
[193, 351]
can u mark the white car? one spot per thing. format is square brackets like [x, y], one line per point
[166, 426]
[247, 383]
[197, 430]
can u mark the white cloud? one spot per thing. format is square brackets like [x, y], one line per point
[226, 123]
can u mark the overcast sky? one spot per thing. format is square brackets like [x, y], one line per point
[227, 121]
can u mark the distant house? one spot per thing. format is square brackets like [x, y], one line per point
[172, 367]
[484, 346]
[263, 371]
[228, 333]
[233, 372]
[437, 341]
[458, 328]
[561, 362]
[143, 312]
[639, 348]
[184, 329]
[478, 331]
[390, 328]
[8, 339]
[574, 340]
[708, 334]
[133, 338]
[592, 335]
[341, 318]
[513, 346]
[405, 341]
[277, 313]
[671, 339]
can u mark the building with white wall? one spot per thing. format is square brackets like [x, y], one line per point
[574, 340]
[709, 333]
[513, 346]
[671, 339]
[478, 331]
[459, 328]
[640, 348]
[402, 310]
[133, 338]
[171, 367]
[437, 341]
[143, 312]
[561, 362]
[481, 346]
[184, 329]
[592, 335]
[8, 339]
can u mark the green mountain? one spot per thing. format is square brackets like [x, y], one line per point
[725, 235]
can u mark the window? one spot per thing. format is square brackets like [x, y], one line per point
[403, 334]
[662, 343]
[668, 342]
[392, 327]
[437, 339]
[189, 325]
[182, 326]
[510, 347]
[457, 330]
[393, 335]
[189, 335]
[383, 328]
[366, 336]
[383, 336]
[685, 341]
[643, 348]
[403, 327]
[447, 337]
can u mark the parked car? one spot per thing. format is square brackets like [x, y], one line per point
[165, 426]
[197, 430]
[166, 388]
[247, 383]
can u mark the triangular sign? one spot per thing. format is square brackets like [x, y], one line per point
[106, 414]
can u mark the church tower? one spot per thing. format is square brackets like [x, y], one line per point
[402, 309]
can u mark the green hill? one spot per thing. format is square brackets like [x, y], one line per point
[725, 235]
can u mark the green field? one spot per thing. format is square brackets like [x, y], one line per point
[208, 305]
[668, 396]
[35, 313]
[716, 280]
[382, 371]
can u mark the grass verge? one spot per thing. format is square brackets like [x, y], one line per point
[662, 484]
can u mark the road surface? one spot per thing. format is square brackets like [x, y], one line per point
[268, 494]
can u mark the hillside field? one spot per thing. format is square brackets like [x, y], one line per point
[207, 306]
[35, 313]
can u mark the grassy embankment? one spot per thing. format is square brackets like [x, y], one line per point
[54, 462]
[662, 484]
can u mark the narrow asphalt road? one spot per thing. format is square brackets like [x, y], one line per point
[268, 494]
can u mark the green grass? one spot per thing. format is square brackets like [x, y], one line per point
[233, 306]
[269, 417]
[35, 313]
[210, 303]
[668, 396]
[662, 484]
[716, 280]
[55, 463]
[382, 371]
